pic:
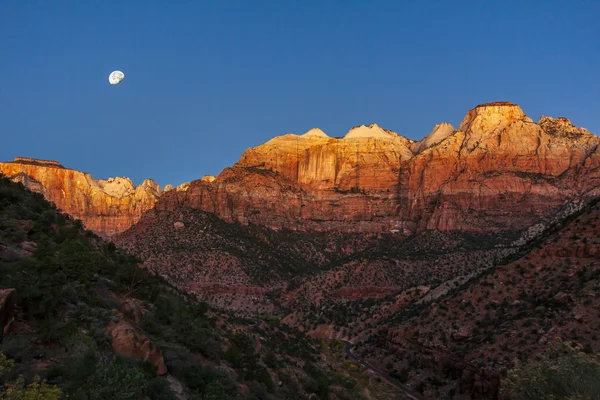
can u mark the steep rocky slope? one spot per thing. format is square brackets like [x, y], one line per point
[302, 277]
[308, 182]
[83, 316]
[465, 341]
[234, 266]
[499, 171]
[106, 207]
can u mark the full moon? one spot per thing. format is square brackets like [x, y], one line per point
[116, 77]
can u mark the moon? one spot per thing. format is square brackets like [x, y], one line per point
[116, 77]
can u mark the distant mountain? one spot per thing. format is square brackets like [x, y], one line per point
[499, 171]
[431, 258]
[105, 206]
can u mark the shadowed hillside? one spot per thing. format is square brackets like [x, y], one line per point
[82, 316]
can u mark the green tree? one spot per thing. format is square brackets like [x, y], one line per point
[214, 391]
[241, 353]
[116, 381]
[19, 391]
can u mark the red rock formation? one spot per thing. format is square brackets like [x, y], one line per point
[498, 171]
[129, 341]
[367, 158]
[106, 207]
[309, 182]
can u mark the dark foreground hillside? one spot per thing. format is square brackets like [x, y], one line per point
[538, 313]
[81, 320]
[82, 317]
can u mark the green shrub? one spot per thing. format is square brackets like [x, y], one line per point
[562, 373]
[18, 390]
[214, 391]
[116, 381]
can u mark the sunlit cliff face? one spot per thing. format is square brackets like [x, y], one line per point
[106, 207]
[498, 171]
[367, 157]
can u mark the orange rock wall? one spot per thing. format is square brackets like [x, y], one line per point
[105, 207]
[498, 171]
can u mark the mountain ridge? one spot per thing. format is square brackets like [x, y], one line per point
[106, 207]
[370, 180]
[364, 239]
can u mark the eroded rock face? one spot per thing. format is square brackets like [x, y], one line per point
[367, 158]
[308, 182]
[439, 133]
[106, 207]
[499, 171]
[130, 341]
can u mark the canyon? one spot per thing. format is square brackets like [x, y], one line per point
[363, 237]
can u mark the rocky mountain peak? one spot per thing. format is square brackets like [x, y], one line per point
[34, 161]
[315, 132]
[561, 127]
[490, 117]
[440, 132]
[183, 187]
[371, 131]
[104, 206]
[150, 184]
[118, 187]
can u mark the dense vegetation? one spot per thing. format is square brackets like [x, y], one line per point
[467, 339]
[70, 285]
[562, 372]
[65, 292]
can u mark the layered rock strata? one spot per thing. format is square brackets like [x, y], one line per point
[106, 207]
[498, 171]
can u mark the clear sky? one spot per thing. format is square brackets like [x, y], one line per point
[204, 80]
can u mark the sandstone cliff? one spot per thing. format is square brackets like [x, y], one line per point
[498, 171]
[106, 207]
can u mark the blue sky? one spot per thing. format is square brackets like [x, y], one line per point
[207, 79]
